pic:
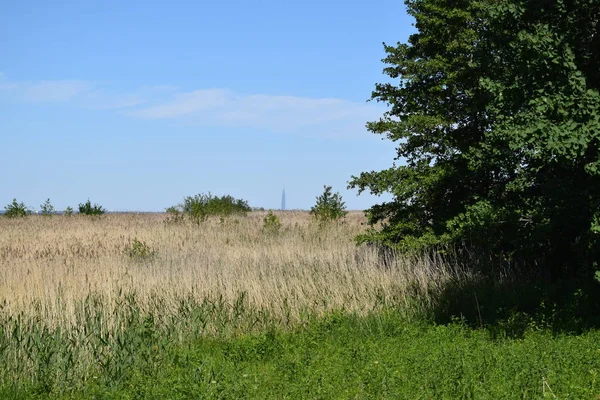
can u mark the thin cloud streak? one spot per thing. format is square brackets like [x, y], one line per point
[187, 103]
[7, 86]
[215, 107]
[222, 107]
[103, 101]
[55, 91]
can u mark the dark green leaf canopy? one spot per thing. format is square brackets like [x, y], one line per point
[495, 112]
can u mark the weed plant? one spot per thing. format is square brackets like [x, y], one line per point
[271, 223]
[140, 251]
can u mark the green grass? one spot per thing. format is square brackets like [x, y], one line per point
[340, 355]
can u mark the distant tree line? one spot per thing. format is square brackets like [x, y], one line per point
[329, 206]
[18, 209]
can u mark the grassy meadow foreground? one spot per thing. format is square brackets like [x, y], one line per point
[132, 306]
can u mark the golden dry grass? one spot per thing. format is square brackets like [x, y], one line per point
[49, 265]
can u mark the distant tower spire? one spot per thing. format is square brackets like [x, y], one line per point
[283, 200]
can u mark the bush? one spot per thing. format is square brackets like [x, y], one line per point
[68, 211]
[196, 207]
[88, 209]
[16, 210]
[140, 251]
[271, 223]
[199, 207]
[47, 208]
[329, 207]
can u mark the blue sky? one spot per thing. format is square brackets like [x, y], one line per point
[136, 104]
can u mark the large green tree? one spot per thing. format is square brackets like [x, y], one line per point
[495, 110]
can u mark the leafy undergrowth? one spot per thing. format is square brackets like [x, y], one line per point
[347, 356]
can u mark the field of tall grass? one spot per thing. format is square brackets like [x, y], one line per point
[87, 281]
[51, 265]
[92, 301]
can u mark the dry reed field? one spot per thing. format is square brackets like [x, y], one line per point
[48, 266]
[83, 296]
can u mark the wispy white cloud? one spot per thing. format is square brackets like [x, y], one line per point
[185, 104]
[221, 107]
[111, 100]
[206, 107]
[81, 93]
[104, 101]
[55, 91]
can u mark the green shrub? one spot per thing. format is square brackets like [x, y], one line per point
[140, 251]
[196, 207]
[271, 223]
[88, 209]
[16, 210]
[199, 207]
[68, 211]
[47, 208]
[329, 207]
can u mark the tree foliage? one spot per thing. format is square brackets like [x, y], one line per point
[329, 206]
[47, 208]
[16, 210]
[495, 112]
[88, 209]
